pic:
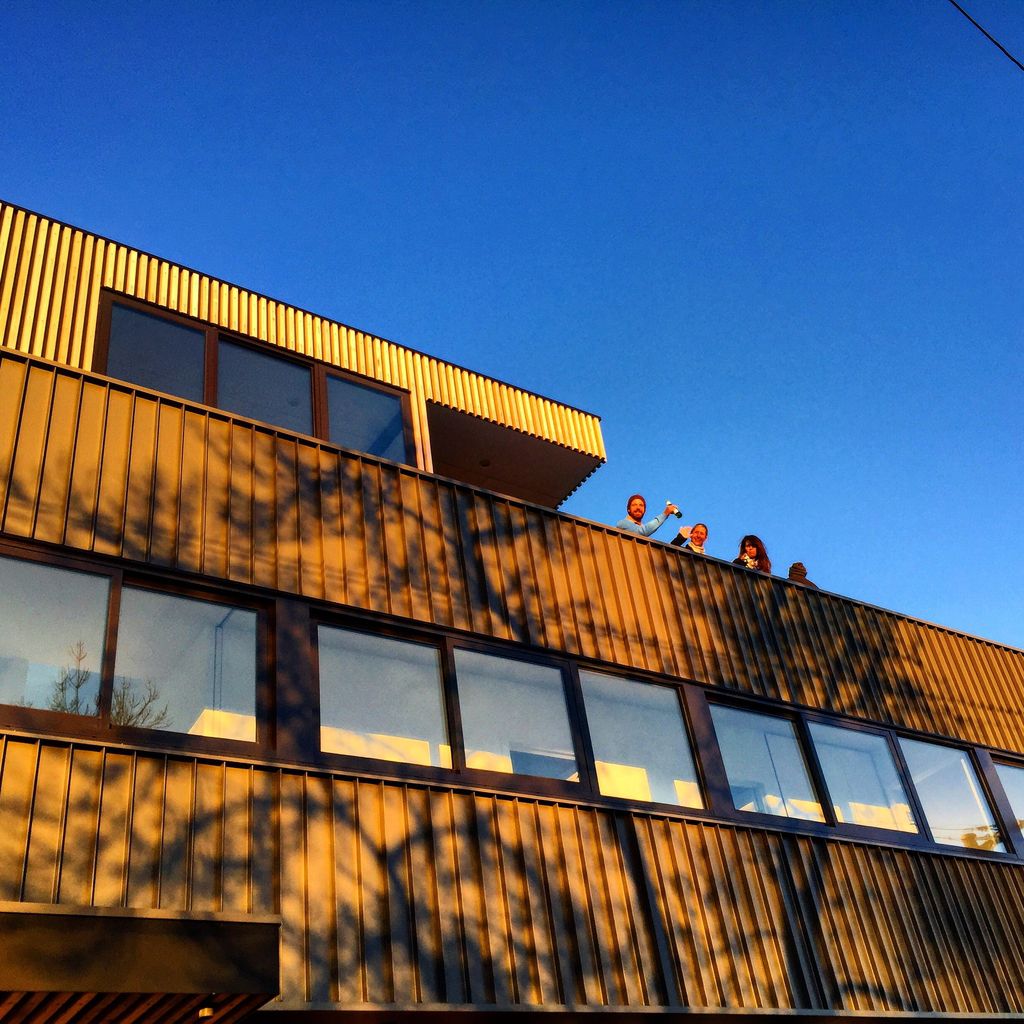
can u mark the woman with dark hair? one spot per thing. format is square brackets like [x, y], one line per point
[753, 555]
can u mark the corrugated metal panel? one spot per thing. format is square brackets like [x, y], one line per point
[50, 279]
[398, 895]
[100, 467]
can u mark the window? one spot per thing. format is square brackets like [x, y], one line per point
[366, 419]
[180, 664]
[765, 765]
[381, 698]
[514, 716]
[185, 665]
[156, 352]
[1012, 779]
[264, 387]
[53, 625]
[198, 362]
[861, 776]
[954, 805]
[641, 750]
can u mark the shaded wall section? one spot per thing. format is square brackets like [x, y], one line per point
[401, 894]
[50, 280]
[98, 466]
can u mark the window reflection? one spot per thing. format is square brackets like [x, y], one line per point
[381, 698]
[957, 811]
[156, 353]
[861, 778]
[765, 766]
[1012, 779]
[365, 419]
[641, 750]
[52, 631]
[514, 717]
[185, 665]
[264, 387]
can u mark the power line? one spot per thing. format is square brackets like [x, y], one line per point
[990, 38]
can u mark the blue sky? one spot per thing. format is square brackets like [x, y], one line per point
[777, 246]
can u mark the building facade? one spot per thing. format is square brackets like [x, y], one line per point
[311, 698]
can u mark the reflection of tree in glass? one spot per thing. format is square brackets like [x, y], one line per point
[70, 681]
[139, 709]
[126, 706]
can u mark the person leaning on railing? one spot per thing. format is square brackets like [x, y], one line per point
[692, 538]
[753, 555]
[634, 521]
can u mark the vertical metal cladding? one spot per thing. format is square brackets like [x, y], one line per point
[98, 466]
[397, 894]
[50, 280]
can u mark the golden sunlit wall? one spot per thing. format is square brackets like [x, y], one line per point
[401, 895]
[98, 466]
[51, 275]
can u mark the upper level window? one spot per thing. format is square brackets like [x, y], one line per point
[514, 716]
[641, 750]
[53, 625]
[366, 419]
[954, 804]
[264, 387]
[765, 765]
[198, 362]
[861, 777]
[381, 698]
[156, 352]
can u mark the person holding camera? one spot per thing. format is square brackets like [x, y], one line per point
[636, 507]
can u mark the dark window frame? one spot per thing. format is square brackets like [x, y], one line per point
[319, 370]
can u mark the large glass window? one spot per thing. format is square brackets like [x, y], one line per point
[263, 387]
[954, 804]
[514, 717]
[765, 765]
[1012, 779]
[641, 750]
[52, 631]
[366, 419]
[156, 353]
[185, 665]
[381, 698]
[861, 777]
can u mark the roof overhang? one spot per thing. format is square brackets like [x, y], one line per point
[486, 454]
[65, 963]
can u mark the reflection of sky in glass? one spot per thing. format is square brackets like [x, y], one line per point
[197, 657]
[861, 778]
[514, 717]
[366, 419]
[156, 353]
[764, 764]
[381, 698]
[639, 739]
[1013, 782]
[52, 620]
[951, 795]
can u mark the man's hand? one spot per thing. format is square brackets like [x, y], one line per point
[670, 509]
